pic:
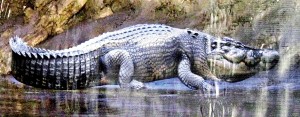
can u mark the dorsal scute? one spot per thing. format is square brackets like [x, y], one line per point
[47, 55]
[28, 54]
[35, 55]
[23, 53]
[20, 47]
[41, 55]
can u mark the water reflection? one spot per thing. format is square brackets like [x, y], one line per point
[49, 103]
[118, 102]
[170, 105]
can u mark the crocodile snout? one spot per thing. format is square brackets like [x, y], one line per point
[269, 59]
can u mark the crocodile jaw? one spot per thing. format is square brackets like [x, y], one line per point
[227, 70]
[235, 63]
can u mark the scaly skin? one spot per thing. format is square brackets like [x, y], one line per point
[128, 57]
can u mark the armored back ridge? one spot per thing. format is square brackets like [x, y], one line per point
[128, 57]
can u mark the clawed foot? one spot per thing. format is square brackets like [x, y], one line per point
[207, 88]
[136, 85]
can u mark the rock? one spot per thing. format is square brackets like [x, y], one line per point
[119, 5]
[86, 30]
[11, 8]
[95, 9]
[50, 18]
[106, 11]
[41, 3]
[46, 18]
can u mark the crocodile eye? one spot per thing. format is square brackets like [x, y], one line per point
[189, 32]
[196, 34]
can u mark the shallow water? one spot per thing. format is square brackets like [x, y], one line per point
[262, 95]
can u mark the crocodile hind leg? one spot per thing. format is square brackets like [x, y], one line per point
[190, 79]
[121, 61]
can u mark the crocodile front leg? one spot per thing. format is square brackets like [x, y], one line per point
[121, 61]
[190, 79]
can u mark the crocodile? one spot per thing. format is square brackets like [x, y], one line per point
[137, 54]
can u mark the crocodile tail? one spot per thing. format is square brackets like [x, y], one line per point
[54, 69]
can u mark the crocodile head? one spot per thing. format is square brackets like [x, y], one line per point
[233, 61]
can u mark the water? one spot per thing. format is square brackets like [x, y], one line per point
[258, 96]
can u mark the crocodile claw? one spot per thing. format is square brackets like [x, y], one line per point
[137, 85]
[207, 88]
